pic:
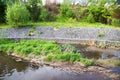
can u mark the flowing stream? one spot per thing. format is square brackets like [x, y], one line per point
[12, 70]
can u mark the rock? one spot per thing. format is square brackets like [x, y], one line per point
[19, 60]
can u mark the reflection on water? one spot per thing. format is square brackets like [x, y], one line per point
[12, 70]
[49, 73]
[115, 69]
[97, 53]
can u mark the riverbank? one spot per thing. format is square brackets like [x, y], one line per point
[22, 48]
[99, 37]
[68, 66]
[24, 69]
[75, 67]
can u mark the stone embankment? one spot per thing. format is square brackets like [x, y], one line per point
[100, 37]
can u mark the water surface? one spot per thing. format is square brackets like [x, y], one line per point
[12, 70]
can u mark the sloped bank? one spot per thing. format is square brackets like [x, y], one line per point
[99, 37]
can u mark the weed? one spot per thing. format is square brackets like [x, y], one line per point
[72, 57]
[67, 48]
[100, 35]
[117, 63]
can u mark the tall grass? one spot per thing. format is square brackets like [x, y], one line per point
[50, 50]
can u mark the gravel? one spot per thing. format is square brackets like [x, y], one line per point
[69, 34]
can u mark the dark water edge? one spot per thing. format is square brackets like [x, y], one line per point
[12, 70]
[115, 69]
[92, 52]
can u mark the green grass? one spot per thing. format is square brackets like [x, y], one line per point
[73, 24]
[117, 63]
[63, 57]
[50, 50]
[5, 26]
[71, 57]
[65, 24]
[26, 47]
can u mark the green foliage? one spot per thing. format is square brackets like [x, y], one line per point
[17, 15]
[43, 15]
[106, 14]
[79, 12]
[66, 48]
[71, 57]
[101, 2]
[2, 11]
[95, 12]
[117, 63]
[34, 7]
[100, 35]
[115, 12]
[5, 41]
[116, 22]
[31, 31]
[50, 50]
[46, 15]
[25, 47]
[90, 18]
[101, 10]
[87, 62]
[63, 57]
[66, 11]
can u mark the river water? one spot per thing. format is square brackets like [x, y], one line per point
[97, 53]
[12, 70]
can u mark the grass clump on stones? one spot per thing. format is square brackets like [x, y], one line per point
[50, 50]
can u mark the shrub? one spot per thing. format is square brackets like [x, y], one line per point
[90, 18]
[34, 7]
[116, 12]
[106, 14]
[66, 11]
[95, 12]
[66, 48]
[79, 12]
[116, 22]
[117, 63]
[46, 15]
[17, 15]
[2, 11]
[86, 62]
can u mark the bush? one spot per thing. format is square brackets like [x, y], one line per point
[116, 22]
[86, 62]
[66, 11]
[90, 18]
[96, 12]
[34, 7]
[2, 11]
[66, 48]
[116, 12]
[79, 12]
[46, 15]
[17, 15]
